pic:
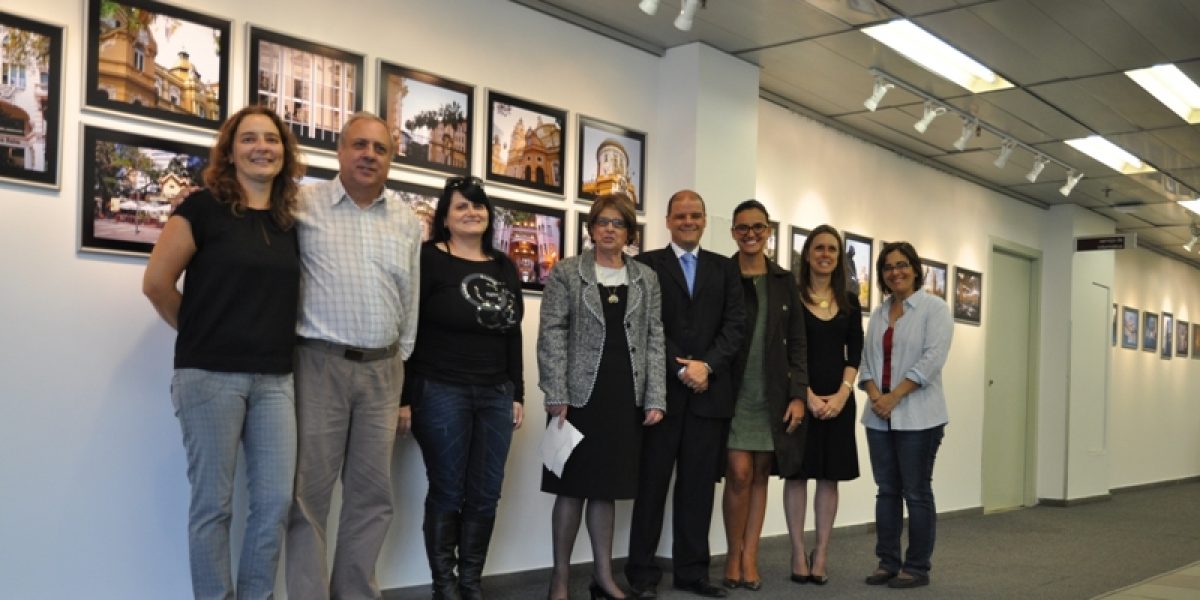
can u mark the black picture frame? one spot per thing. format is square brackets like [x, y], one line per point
[431, 118]
[968, 296]
[130, 67]
[936, 277]
[1196, 341]
[317, 174]
[772, 250]
[611, 159]
[31, 130]
[1167, 336]
[1181, 339]
[1149, 331]
[583, 240]
[314, 126]
[798, 236]
[131, 184]
[860, 267]
[541, 168]
[422, 199]
[1129, 328]
[532, 236]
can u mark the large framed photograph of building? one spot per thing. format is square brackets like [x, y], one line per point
[611, 159]
[31, 67]
[158, 61]
[532, 236]
[422, 199]
[314, 88]
[525, 143]
[430, 118]
[131, 185]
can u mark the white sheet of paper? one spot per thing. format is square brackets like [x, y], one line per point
[557, 445]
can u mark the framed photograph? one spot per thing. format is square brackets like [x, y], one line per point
[158, 61]
[1168, 335]
[773, 241]
[525, 143]
[317, 175]
[1149, 331]
[611, 159]
[1181, 339]
[429, 118]
[31, 104]
[131, 185]
[968, 296]
[1196, 341]
[422, 199]
[1129, 328]
[859, 267]
[799, 236]
[314, 88]
[532, 236]
[935, 277]
[583, 239]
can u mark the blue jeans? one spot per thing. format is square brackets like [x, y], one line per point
[464, 432]
[216, 411]
[902, 462]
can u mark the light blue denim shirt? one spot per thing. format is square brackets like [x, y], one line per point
[920, 345]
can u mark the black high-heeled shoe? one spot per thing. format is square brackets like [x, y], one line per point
[803, 579]
[814, 578]
[599, 593]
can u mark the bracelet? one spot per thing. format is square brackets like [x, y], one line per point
[848, 385]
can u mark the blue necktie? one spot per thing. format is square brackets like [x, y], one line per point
[689, 270]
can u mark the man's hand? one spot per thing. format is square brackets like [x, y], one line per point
[694, 374]
[518, 415]
[404, 421]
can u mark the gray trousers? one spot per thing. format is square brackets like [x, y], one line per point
[346, 415]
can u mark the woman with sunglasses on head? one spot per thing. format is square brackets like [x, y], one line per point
[464, 391]
[601, 365]
[236, 318]
[767, 431]
[833, 323]
[908, 340]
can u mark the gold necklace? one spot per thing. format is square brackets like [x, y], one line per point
[612, 293]
[822, 302]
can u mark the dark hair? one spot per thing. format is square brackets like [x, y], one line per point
[682, 193]
[910, 254]
[221, 174]
[750, 204]
[619, 202]
[472, 189]
[837, 279]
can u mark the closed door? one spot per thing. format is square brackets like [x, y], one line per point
[1006, 399]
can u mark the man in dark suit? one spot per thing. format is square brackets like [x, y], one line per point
[703, 321]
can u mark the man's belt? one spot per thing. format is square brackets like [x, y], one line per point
[350, 352]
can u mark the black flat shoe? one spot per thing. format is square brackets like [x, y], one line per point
[879, 577]
[907, 580]
[814, 578]
[701, 587]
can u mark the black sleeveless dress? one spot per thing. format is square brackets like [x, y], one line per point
[830, 451]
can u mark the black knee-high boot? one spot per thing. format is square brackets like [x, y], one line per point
[472, 552]
[441, 538]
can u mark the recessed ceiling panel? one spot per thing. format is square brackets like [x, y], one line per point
[1096, 26]
[1082, 106]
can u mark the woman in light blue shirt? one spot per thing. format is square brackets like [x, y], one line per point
[908, 340]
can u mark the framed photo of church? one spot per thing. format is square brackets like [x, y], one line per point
[611, 159]
[157, 61]
[532, 236]
[525, 144]
[30, 101]
[131, 185]
[314, 88]
[430, 118]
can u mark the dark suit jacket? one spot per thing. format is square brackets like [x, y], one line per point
[708, 325]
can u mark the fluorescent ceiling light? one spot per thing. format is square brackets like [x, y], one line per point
[937, 56]
[1112, 156]
[1171, 87]
[1192, 205]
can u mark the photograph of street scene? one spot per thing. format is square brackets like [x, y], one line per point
[30, 86]
[429, 119]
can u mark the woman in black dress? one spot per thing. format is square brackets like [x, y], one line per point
[601, 367]
[833, 322]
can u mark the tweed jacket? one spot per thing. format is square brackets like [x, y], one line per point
[571, 334]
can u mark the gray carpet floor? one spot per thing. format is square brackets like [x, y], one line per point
[1049, 553]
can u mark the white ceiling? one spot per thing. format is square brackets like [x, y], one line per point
[1065, 57]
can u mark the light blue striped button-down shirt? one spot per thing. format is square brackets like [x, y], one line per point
[359, 281]
[920, 345]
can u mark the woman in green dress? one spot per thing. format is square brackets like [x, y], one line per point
[767, 431]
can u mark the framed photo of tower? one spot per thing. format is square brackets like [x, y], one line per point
[31, 106]
[429, 117]
[532, 236]
[611, 159]
[159, 61]
[314, 88]
[525, 143]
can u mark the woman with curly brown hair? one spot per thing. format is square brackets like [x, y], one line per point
[236, 319]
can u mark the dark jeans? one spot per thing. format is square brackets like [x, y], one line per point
[902, 462]
[464, 432]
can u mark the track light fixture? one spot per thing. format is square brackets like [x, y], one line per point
[932, 110]
[1006, 150]
[687, 14]
[881, 88]
[1039, 163]
[1191, 245]
[970, 128]
[1073, 178]
[649, 6]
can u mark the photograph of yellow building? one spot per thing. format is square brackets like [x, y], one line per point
[611, 160]
[526, 142]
